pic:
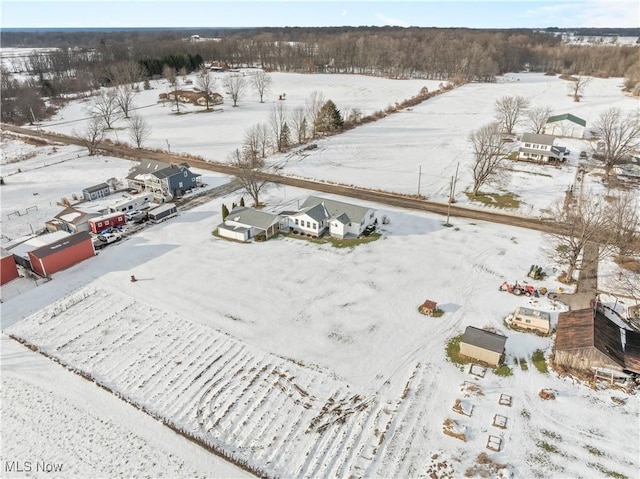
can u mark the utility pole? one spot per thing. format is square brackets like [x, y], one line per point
[419, 177]
[452, 195]
[449, 203]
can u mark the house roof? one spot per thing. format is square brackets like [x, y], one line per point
[355, 213]
[162, 208]
[484, 339]
[62, 244]
[567, 116]
[37, 242]
[538, 139]
[632, 351]
[343, 218]
[158, 168]
[75, 216]
[98, 187]
[5, 253]
[251, 217]
[429, 304]
[587, 328]
[317, 212]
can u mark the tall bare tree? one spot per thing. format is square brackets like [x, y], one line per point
[249, 174]
[623, 214]
[576, 87]
[581, 223]
[105, 105]
[489, 153]
[277, 121]
[206, 83]
[262, 83]
[92, 135]
[172, 77]
[234, 85]
[139, 130]
[536, 118]
[314, 105]
[620, 135]
[509, 111]
[299, 125]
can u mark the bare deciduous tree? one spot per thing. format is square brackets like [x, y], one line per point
[620, 135]
[105, 105]
[576, 87]
[172, 77]
[623, 214]
[314, 104]
[234, 86]
[509, 111]
[92, 135]
[206, 83]
[277, 120]
[299, 124]
[536, 118]
[139, 130]
[489, 153]
[249, 174]
[581, 223]
[262, 83]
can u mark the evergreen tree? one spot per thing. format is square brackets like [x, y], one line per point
[285, 137]
[329, 118]
[225, 212]
[242, 201]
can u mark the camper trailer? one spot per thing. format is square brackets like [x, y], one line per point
[162, 212]
[131, 203]
[533, 319]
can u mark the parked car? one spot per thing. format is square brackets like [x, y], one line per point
[104, 239]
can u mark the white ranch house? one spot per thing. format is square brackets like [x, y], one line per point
[243, 224]
[318, 216]
[565, 125]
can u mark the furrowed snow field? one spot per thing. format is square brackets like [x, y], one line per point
[261, 350]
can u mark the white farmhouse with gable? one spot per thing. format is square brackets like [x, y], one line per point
[539, 148]
[319, 215]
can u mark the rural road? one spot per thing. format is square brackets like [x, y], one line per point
[388, 198]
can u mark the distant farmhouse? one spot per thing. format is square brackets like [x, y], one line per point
[193, 97]
[565, 125]
[164, 181]
[318, 216]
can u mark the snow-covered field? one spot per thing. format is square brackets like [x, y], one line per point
[261, 350]
[302, 359]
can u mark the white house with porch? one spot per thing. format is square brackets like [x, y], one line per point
[243, 224]
[539, 148]
[319, 215]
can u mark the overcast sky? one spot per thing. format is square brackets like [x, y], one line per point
[270, 13]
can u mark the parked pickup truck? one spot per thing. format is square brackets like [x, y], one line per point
[104, 239]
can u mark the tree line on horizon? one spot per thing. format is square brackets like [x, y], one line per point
[86, 59]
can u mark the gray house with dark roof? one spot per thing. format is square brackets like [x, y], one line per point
[97, 191]
[483, 346]
[319, 215]
[243, 224]
[163, 180]
[565, 125]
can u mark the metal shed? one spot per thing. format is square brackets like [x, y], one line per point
[483, 346]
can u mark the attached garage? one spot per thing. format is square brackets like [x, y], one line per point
[8, 268]
[483, 346]
[62, 254]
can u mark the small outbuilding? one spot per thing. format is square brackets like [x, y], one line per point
[97, 191]
[8, 268]
[428, 307]
[533, 319]
[244, 223]
[62, 254]
[483, 346]
[565, 125]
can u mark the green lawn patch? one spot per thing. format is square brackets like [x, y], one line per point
[523, 364]
[338, 243]
[503, 371]
[453, 350]
[503, 201]
[539, 362]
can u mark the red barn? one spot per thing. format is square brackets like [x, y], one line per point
[62, 254]
[112, 220]
[8, 269]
